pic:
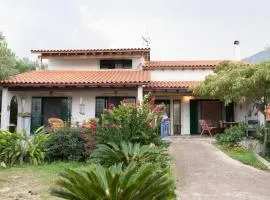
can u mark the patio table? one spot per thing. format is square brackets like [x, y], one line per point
[229, 124]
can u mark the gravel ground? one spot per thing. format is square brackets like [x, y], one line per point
[204, 172]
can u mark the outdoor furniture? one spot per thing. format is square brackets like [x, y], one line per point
[56, 123]
[252, 126]
[206, 126]
[228, 125]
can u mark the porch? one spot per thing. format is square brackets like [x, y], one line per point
[75, 106]
[34, 107]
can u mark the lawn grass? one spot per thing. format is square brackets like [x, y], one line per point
[245, 156]
[19, 180]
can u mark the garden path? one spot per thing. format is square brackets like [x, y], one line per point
[204, 172]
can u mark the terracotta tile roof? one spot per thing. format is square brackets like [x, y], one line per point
[88, 50]
[196, 64]
[171, 84]
[79, 78]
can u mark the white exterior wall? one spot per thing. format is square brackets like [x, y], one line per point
[88, 97]
[84, 64]
[185, 115]
[180, 75]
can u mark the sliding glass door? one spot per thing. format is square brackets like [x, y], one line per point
[44, 108]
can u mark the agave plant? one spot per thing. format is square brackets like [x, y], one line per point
[115, 183]
[126, 152]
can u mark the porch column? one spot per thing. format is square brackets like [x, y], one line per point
[140, 94]
[185, 130]
[171, 116]
[5, 112]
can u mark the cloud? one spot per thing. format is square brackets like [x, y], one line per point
[179, 29]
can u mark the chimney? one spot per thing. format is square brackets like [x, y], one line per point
[236, 53]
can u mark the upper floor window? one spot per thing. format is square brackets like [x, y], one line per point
[115, 64]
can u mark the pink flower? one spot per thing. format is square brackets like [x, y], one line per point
[93, 126]
[82, 135]
[124, 101]
[111, 105]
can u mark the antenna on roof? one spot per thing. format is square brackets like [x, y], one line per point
[146, 39]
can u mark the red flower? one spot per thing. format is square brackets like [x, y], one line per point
[124, 101]
[82, 135]
[151, 101]
[150, 126]
[93, 126]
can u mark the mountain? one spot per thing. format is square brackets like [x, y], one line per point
[259, 57]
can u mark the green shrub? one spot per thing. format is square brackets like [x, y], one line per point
[231, 136]
[17, 148]
[130, 122]
[66, 144]
[131, 183]
[126, 152]
[259, 135]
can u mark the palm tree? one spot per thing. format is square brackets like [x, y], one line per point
[115, 183]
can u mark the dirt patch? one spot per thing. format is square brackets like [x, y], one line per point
[23, 187]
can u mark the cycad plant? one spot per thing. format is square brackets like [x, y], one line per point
[126, 152]
[116, 183]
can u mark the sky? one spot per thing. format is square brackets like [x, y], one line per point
[179, 29]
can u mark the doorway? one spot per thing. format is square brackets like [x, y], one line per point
[13, 114]
[45, 107]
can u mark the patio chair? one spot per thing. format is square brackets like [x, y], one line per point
[56, 123]
[206, 127]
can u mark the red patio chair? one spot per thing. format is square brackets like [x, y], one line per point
[206, 127]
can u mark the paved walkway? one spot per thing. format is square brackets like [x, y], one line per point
[204, 172]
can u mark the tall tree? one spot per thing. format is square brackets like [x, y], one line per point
[236, 82]
[25, 65]
[7, 61]
[2, 37]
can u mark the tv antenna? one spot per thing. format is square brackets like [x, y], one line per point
[146, 39]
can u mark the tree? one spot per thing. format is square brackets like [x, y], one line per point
[8, 61]
[25, 65]
[237, 82]
[2, 37]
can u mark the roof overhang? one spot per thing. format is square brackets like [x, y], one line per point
[94, 53]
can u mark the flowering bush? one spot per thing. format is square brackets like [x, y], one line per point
[89, 133]
[131, 122]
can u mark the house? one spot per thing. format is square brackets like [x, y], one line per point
[80, 83]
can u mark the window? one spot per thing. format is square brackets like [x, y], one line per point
[115, 64]
[104, 102]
